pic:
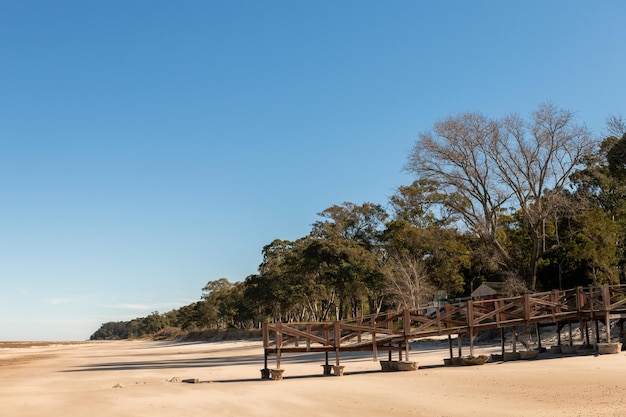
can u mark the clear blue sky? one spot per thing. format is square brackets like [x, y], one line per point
[148, 147]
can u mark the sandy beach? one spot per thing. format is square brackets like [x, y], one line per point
[145, 378]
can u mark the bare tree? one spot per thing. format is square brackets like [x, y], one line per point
[408, 286]
[487, 166]
[615, 126]
[457, 154]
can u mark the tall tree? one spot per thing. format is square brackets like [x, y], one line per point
[491, 165]
[602, 183]
[348, 242]
[214, 293]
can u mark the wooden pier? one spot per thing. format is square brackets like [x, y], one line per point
[393, 331]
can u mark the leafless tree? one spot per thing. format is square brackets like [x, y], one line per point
[615, 126]
[487, 166]
[456, 154]
[408, 284]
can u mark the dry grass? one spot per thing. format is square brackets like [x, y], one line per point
[20, 360]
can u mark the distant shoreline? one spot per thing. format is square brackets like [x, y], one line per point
[28, 344]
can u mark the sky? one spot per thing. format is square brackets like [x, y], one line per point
[149, 147]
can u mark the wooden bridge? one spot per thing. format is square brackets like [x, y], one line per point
[393, 331]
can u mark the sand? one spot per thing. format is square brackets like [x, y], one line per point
[140, 378]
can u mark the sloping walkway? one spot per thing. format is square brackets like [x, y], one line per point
[392, 331]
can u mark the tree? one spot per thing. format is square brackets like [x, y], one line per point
[592, 245]
[602, 183]
[214, 293]
[488, 166]
[346, 251]
[361, 224]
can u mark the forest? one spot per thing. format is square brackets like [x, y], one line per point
[538, 203]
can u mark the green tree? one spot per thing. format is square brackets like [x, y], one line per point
[602, 183]
[347, 253]
[214, 293]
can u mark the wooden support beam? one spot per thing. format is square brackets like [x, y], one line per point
[502, 341]
[374, 344]
[308, 339]
[406, 324]
[279, 343]
[538, 336]
[569, 325]
[606, 305]
[337, 336]
[470, 325]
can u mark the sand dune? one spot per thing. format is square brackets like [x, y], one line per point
[139, 378]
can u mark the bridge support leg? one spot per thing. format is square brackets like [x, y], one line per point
[407, 347]
[459, 338]
[502, 342]
[571, 341]
[538, 336]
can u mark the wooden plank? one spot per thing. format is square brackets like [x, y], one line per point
[285, 329]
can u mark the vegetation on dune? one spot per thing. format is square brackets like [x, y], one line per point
[537, 204]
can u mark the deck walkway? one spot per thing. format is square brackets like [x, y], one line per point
[393, 331]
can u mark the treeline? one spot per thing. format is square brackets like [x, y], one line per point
[536, 203]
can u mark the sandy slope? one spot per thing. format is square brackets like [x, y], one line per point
[106, 379]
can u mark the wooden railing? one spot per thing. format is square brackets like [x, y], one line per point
[393, 330]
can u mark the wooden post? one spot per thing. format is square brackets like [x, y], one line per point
[593, 333]
[538, 332]
[569, 325]
[265, 331]
[390, 328]
[514, 332]
[470, 325]
[606, 301]
[406, 321]
[438, 314]
[459, 338]
[580, 299]
[266, 338]
[308, 340]
[337, 332]
[450, 346]
[279, 343]
[502, 341]
[374, 345]
[526, 301]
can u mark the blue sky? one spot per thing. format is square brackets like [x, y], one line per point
[148, 147]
